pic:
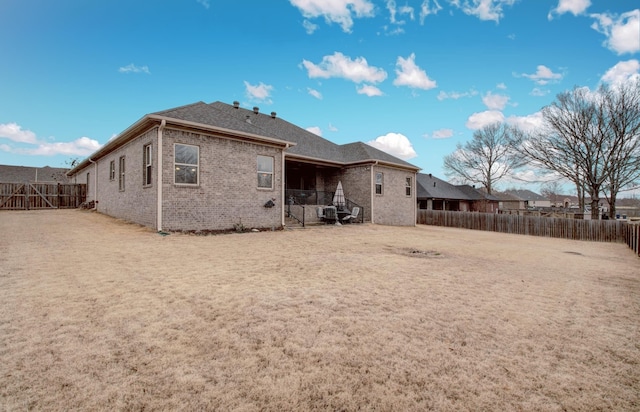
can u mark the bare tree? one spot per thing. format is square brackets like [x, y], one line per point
[621, 112]
[592, 139]
[551, 190]
[572, 143]
[485, 159]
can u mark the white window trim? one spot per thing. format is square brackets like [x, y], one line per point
[375, 185]
[122, 168]
[409, 186]
[147, 168]
[273, 164]
[186, 164]
[112, 170]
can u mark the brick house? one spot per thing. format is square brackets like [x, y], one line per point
[220, 165]
[436, 194]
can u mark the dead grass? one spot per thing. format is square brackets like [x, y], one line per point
[98, 314]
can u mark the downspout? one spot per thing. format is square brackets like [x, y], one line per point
[414, 192]
[283, 201]
[95, 185]
[373, 189]
[159, 179]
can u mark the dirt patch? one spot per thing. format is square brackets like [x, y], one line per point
[413, 252]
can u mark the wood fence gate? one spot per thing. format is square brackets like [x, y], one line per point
[26, 196]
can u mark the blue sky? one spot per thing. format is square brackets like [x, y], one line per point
[411, 77]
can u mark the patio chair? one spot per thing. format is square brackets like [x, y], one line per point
[330, 214]
[354, 214]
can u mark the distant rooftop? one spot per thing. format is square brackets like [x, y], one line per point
[23, 174]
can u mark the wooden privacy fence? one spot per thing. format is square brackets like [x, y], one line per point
[575, 229]
[26, 196]
[632, 237]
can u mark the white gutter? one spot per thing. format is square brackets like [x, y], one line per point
[95, 185]
[414, 192]
[159, 179]
[283, 201]
[373, 189]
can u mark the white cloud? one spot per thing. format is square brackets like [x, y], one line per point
[369, 90]
[332, 128]
[501, 86]
[538, 92]
[442, 134]
[80, 147]
[309, 27]
[205, 3]
[483, 9]
[395, 144]
[403, 10]
[574, 7]
[622, 72]
[132, 68]
[622, 31]
[409, 74]
[315, 130]
[527, 123]
[543, 75]
[315, 93]
[13, 131]
[335, 11]
[426, 9]
[479, 120]
[456, 95]
[495, 101]
[260, 92]
[341, 66]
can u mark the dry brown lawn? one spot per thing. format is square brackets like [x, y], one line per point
[99, 314]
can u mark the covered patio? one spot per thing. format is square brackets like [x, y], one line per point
[309, 186]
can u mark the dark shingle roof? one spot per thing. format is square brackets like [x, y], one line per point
[22, 174]
[231, 118]
[476, 194]
[208, 114]
[506, 197]
[523, 194]
[309, 144]
[430, 186]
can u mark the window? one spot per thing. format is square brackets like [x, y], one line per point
[186, 159]
[265, 172]
[147, 162]
[121, 173]
[112, 170]
[379, 183]
[88, 180]
[408, 186]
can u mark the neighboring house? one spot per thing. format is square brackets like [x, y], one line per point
[521, 199]
[436, 194]
[481, 201]
[220, 166]
[508, 201]
[24, 174]
[531, 199]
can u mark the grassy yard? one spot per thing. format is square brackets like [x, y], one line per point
[99, 314]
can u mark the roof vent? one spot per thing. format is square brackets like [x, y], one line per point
[247, 119]
[273, 115]
[434, 184]
[236, 104]
[256, 109]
